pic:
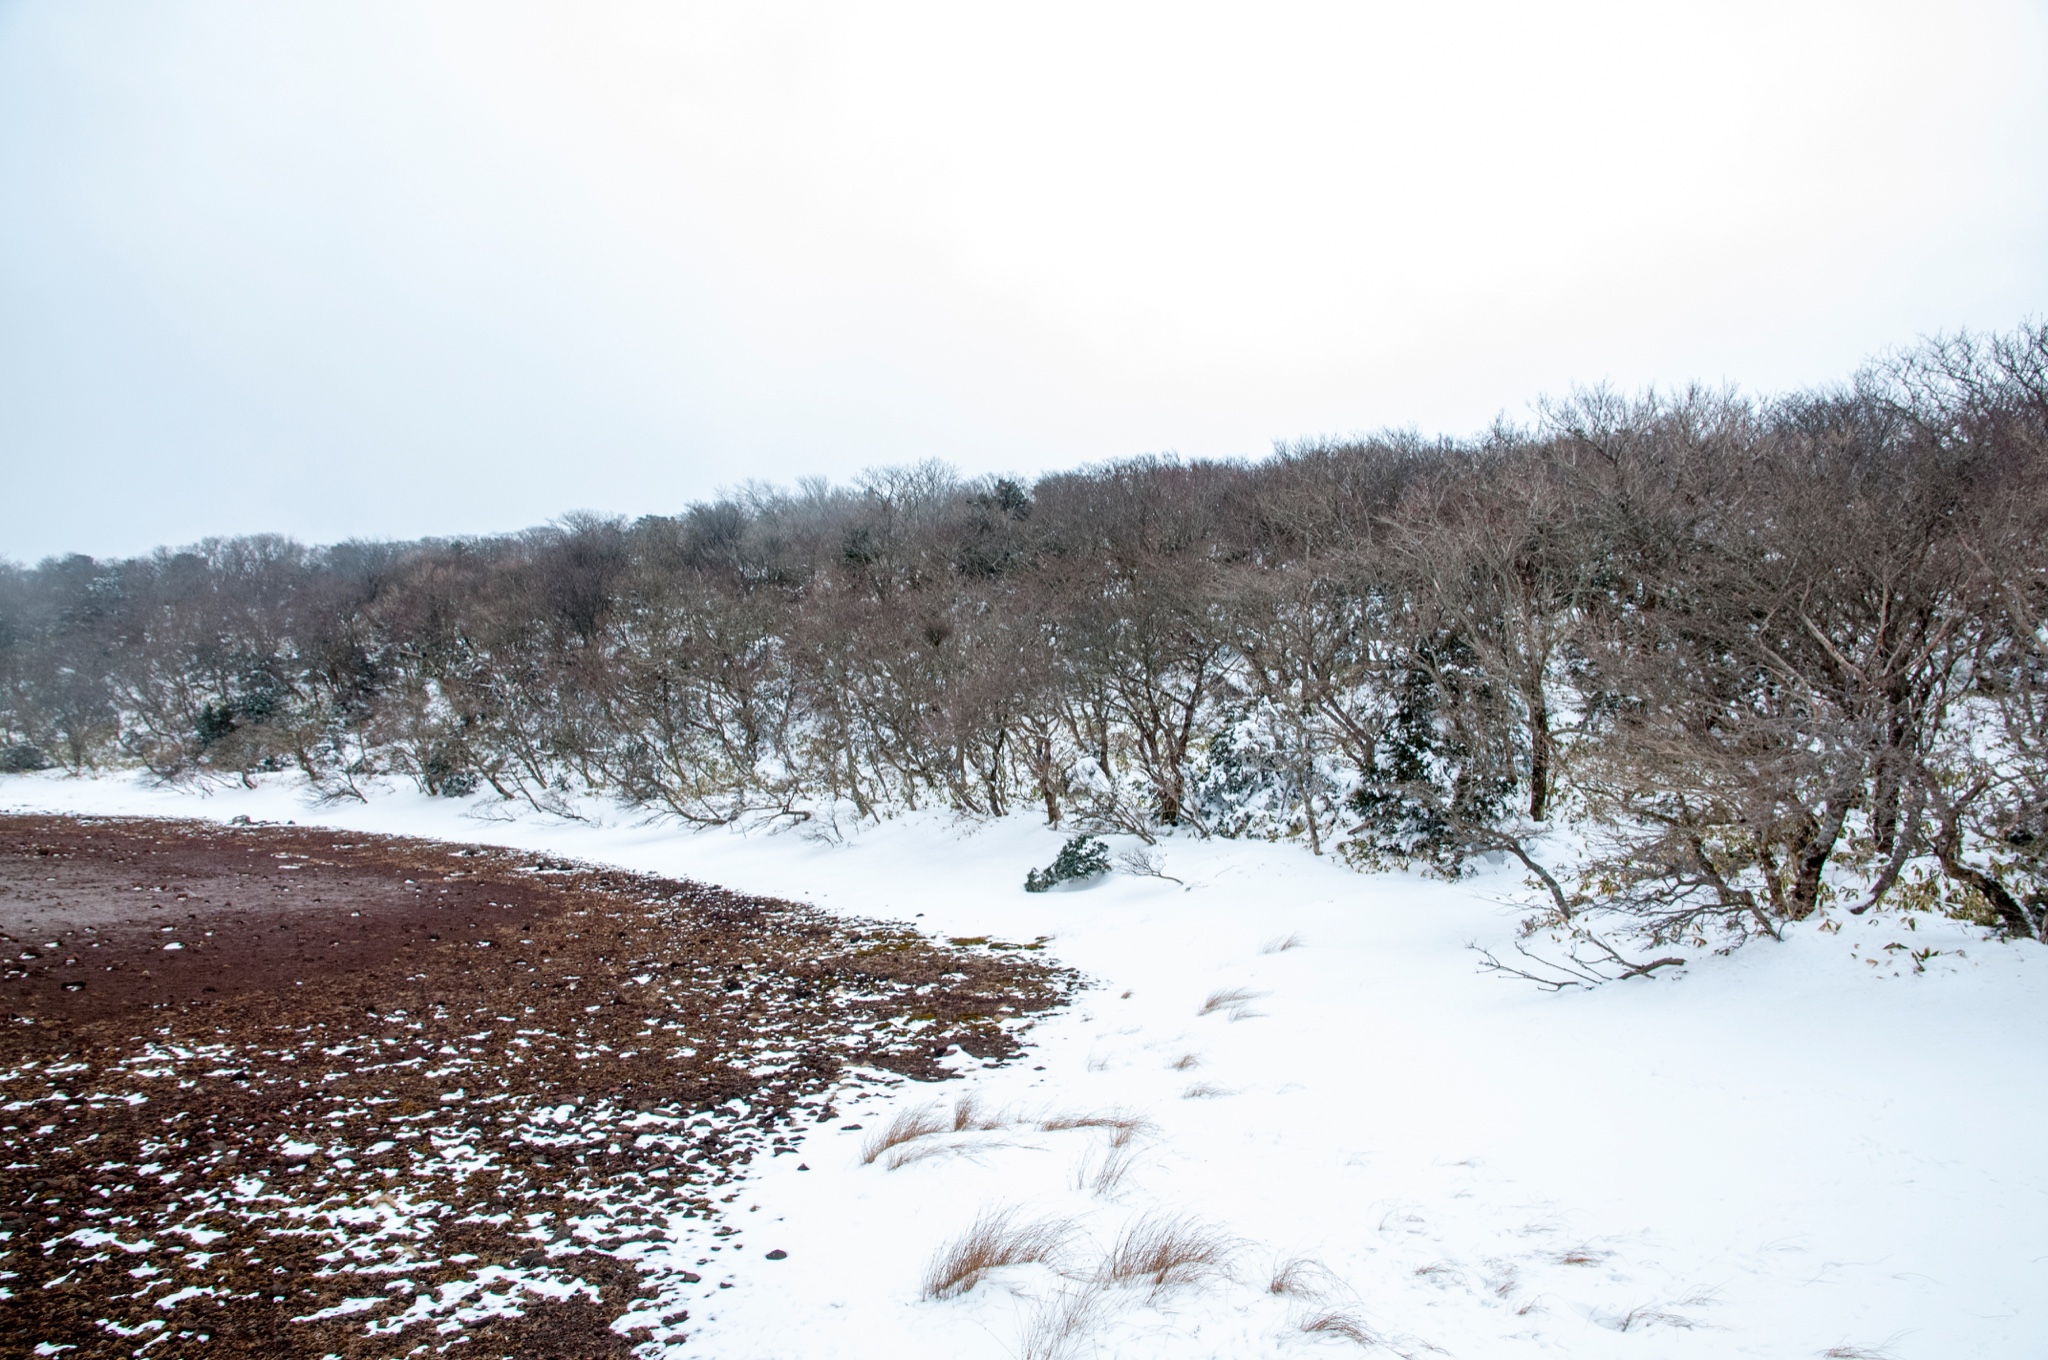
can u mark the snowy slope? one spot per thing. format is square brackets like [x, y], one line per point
[1798, 1149]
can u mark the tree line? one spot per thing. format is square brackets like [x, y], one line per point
[1761, 653]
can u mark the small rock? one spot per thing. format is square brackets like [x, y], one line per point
[801, 1167]
[692, 1277]
[778, 1255]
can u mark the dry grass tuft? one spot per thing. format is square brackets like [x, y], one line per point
[904, 1139]
[1236, 1000]
[1855, 1353]
[925, 1149]
[1346, 1325]
[995, 1239]
[1122, 1127]
[1282, 944]
[1164, 1250]
[1581, 1256]
[1185, 1061]
[1104, 1176]
[1206, 1090]
[968, 1118]
[1058, 1324]
[919, 1122]
[1301, 1278]
[1648, 1317]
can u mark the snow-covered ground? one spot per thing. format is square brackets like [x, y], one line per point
[1798, 1149]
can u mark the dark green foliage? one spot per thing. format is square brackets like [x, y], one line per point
[1010, 498]
[214, 724]
[1433, 782]
[255, 696]
[21, 758]
[1082, 857]
[445, 774]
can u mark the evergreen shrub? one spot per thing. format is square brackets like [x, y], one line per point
[1081, 857]
[21, 758]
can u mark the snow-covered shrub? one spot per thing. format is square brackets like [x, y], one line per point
[446, 776]
[1439, 776]
[1080, 858]
[1262, 774]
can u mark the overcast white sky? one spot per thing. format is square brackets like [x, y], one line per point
[377, 269]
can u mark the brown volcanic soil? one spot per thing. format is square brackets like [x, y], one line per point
[280, 1091]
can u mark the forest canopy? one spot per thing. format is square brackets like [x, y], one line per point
[1766, 653]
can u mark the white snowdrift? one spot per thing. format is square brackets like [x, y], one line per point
[1798, 1149]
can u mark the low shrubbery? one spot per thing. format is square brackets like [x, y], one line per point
[1081, 858]
[22, 758]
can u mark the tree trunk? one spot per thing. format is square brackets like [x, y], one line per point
[1539, 756]
[2011, 914]
[1805, 894]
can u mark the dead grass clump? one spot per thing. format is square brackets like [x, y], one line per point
[1104, 1176]
[1855, 1353]
[924, 1149]
[1185, 1061]
[995, 1239]
[1058, 1323]
[1122, 1127]
[1282, 944]
[1235, 1000]
[1581, 1256]
[1301, 1278]
[1346, 1325]
[1164, 1250]
[1647, 1317]
[1206, 1090]
[922, 1121]
[968, 1117]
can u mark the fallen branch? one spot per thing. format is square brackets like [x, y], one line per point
[1554, 975]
